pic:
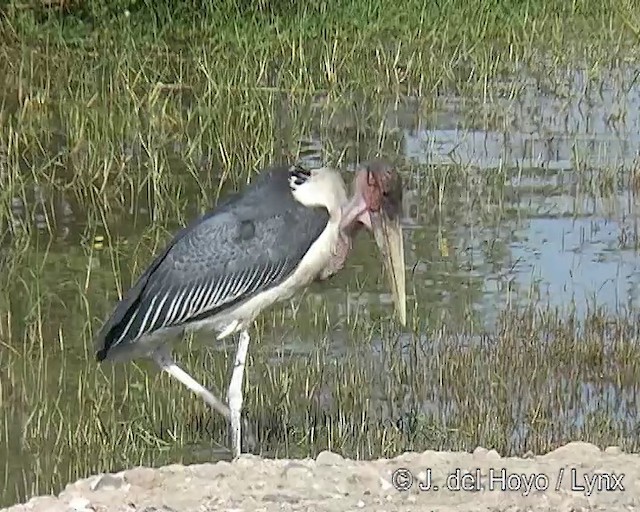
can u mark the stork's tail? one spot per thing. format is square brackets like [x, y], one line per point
[116, 338]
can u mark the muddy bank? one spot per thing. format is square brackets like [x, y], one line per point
[575, 477]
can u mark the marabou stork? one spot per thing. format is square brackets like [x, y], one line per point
[289, 227]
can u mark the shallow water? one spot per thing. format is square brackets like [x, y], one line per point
[562, 235]
[512, 200]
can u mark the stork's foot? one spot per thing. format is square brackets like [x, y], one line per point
[243, 439]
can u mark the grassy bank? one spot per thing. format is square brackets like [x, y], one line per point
[322, 45]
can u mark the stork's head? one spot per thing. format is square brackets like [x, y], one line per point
[377, 204]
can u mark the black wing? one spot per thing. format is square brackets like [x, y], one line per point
[251, 242]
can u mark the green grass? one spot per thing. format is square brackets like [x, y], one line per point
[116, 129]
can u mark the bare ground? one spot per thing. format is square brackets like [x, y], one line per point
[575, 477]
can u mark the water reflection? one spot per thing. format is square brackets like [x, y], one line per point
[546, 143]
[554, 122]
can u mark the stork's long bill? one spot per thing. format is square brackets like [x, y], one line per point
[388, 236]
[377, 203]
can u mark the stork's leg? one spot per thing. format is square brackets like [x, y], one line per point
[165, 361]
[235, 392]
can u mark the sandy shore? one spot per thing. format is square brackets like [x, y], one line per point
[575, 477]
